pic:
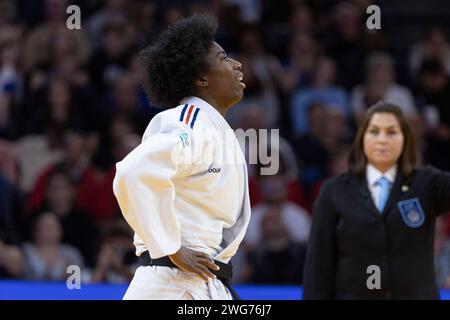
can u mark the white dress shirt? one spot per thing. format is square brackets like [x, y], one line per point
[373, 175]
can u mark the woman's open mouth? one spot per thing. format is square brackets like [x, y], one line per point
[239, 80]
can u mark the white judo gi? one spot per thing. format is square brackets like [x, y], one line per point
[185, 184]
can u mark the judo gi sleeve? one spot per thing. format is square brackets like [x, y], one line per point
[145, 191]
[320, 265]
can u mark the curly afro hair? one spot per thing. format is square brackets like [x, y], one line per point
[177, 58]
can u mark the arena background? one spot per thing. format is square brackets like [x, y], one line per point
[72, 105]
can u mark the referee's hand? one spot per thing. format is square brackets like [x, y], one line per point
[195, 262]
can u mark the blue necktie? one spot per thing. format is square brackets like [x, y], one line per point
[385, 188]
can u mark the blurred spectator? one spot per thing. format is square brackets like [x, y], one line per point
[11, 83]
[110, 60]
[274, 194]
[116, 261]
[75, 162]
[303, 54]
[78, 227]
[33, 154]
[172, 14]
[252, 120]
[277, 258]
[287, 169]
[327, 135]
[7, 162]
[229, 27]
[65, 61]
[345, 43]
[256, 97]
[59, 108]
[113, 11]
[10, 196]
[250, 11]
[99, 199]
[296, 195]
[7, 210]
[52, 38]
[335, 133]
[136, 73]
[321, 91]
[435, 45]
[93, 193]
[117, 138]
[143, 16]
[434, 97]
[11, 260]
[124, 145]
[242, 269]
[126, 101]
[211, 7]
[380, 85]
[337, 164]
[302, 19]
[276, 12]
[116, 126]
[264, 69]
[46, 257]
[10, 257]
[8, 11]
[309, 149]
[67, 69]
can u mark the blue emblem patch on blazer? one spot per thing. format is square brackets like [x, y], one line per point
[412, 213]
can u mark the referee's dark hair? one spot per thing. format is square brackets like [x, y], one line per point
[357, 160]
[177, 58]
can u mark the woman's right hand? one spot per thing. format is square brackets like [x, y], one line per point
[195, 262]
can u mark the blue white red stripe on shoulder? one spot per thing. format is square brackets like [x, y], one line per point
[189, 114]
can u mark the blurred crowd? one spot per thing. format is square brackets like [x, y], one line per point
[72, 105]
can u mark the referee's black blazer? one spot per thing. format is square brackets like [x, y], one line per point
[349, 234]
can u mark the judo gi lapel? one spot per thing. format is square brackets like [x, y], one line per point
[232, 237]
[213, 115]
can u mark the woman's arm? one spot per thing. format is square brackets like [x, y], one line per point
[441, 190]
[320, 266]
[145, 191]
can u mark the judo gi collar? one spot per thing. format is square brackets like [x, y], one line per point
[212, 113]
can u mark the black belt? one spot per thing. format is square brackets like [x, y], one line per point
[224, 274]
